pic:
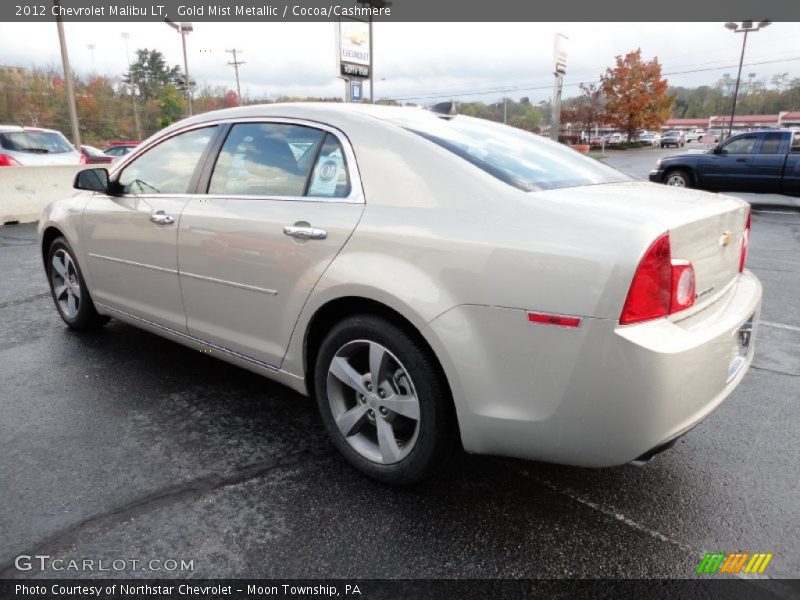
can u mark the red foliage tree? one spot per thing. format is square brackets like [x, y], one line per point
[636, 95]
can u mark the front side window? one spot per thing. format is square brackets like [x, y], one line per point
[771, 144]
[742, 145]
[168, 167]
[518, 158]
[266, 159]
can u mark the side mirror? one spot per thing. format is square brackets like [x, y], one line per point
[92, 180]
[718, 150]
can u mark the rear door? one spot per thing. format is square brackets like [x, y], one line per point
[766, 167]
[729, 169]
[282, 198]
[791, 171]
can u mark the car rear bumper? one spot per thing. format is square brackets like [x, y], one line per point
[597, 395]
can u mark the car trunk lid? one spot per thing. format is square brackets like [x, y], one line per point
[705, 229]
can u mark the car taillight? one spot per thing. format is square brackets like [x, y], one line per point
[7, 161]
[82, 160]
[745, 242]
[661, 286]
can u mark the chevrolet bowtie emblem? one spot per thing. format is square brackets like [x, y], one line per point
[725, 239]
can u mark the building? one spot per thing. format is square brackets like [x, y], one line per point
[740, 122]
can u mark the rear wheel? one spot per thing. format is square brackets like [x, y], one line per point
[678, 179]
[383, 400]
[68, 288]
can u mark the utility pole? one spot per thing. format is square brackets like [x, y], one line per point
[73, 113]
[126, 36]
[236, 64]
[559, 70]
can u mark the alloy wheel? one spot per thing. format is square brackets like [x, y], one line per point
[373, 401]
[66, 284]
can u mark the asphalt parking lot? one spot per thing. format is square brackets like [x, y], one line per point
[119, 444]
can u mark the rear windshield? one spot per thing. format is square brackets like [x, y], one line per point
[524, 160]
[43, 142]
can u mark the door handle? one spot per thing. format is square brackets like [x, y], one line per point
[744, 160]
[305, 233]
[159, 218]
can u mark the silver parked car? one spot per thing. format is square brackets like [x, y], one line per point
[33, 146]
[430, 279]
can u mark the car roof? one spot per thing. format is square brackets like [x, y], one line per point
[18, 128]
[336, 114]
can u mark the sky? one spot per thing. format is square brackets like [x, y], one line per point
[414, 62]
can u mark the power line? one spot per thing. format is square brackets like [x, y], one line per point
[495, 90]
[235, 63]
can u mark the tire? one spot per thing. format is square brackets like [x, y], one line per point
[68, 288]
[404, 431]
[678, 178]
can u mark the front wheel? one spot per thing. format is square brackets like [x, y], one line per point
[383, 400]
[68, 288]
[678, 179]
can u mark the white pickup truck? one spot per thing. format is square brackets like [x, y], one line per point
[695, 135]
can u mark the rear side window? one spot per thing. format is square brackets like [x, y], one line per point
[329, 178]
[795, 142]
[771, 144]
[518, 158]
[35, 142]
[168, 167]
[266, 159]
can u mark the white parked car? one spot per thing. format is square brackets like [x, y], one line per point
[654, 139]
[428, 278]
[32, 146]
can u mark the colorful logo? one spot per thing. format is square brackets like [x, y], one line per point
[739, 562]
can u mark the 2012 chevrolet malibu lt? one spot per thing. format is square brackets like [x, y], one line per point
[429, 278]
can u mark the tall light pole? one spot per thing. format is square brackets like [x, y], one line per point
[183, 29]
[73, 113]
[236, 64]
[126, 36]
[745, 28]
[559, 70]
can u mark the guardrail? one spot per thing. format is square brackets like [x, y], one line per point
[26, 191]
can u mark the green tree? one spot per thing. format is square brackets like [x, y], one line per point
[171, 103]
[150, 73]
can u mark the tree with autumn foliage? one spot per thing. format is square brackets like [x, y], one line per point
[636, 95]
[588, 110]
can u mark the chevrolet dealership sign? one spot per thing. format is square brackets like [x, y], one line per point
[354, 48]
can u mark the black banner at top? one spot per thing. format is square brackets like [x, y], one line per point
[399, 10]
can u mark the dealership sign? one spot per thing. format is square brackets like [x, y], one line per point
[355, 71]
[354, 59]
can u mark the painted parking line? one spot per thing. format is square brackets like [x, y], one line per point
[780, 325]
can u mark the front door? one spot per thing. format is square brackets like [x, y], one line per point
[283, 198]
[729, 167]
[132, 238]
